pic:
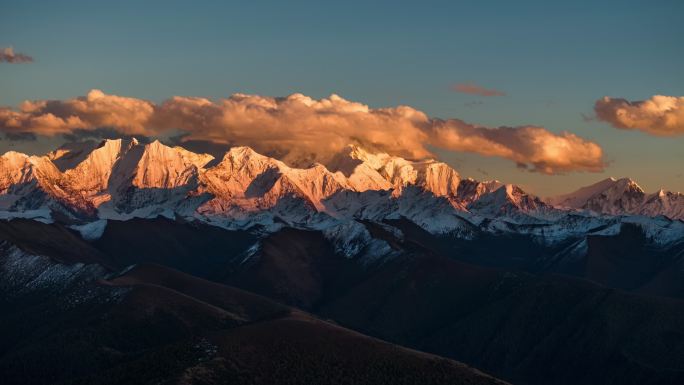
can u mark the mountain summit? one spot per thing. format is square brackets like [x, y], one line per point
[122, 179]
[123, 175]
[622, 196]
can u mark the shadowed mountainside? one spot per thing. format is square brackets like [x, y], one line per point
[537, 329]
[155, 325]
[526, 328]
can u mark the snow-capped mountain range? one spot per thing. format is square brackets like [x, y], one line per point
[86, 184]
[623, 196]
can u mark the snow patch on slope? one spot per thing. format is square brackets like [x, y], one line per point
[91, 231]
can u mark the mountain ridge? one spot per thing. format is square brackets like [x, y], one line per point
[120, 179]
[622, 196]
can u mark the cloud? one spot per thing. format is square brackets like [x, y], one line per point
[300, 130]
[530, 147]
[8, 55]
[660, 115]
[474, 89]
[473, 103]
[53, 117]
[100, 133]
[21, 136]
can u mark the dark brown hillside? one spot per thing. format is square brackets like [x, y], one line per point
[155, 325]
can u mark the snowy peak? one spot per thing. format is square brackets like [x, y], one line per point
[664, 202]
[609, 188]
[507, 199]
[28, 183]
[122, 161]
[245, 161]
[318, 183]
[622, 196]
[607, 196]
[92, 174]
[373, 160]
[381, 171]
[238, 170]
[123, 178]
[252, 180]
[69, 155]
[360, 168]
[161, 166]
[18, 168]
[12, 168]
[578, 198]
[470, 190]
[438, 178]
[628, 186]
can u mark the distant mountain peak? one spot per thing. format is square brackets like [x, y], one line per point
[622, 196]
[123, 178]
[385, 171]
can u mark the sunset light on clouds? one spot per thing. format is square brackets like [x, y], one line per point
[303, 129]
[302, 192]
[404, 79]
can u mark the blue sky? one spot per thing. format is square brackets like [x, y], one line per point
[552, 60]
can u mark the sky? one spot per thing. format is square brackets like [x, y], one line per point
[465, 69]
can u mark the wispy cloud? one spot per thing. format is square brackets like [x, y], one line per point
[474, 103]
[660, 115]
[21, 136]
[474, 89]
[300, 129]
[7, 55]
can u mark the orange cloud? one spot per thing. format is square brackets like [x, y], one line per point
[297, 128]
[533, 148]
[474, 89]
[659, 115]
[300, 130]
[52, 117]
[8, 55]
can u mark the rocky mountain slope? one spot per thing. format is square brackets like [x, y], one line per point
[67, 319]
[123, 179]
[89, 323]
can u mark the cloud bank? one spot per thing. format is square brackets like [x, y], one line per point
[659, 115]
[300, 129]
[7, 55]
[474, 89]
